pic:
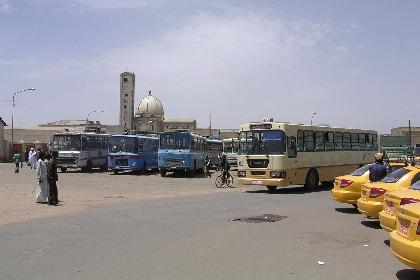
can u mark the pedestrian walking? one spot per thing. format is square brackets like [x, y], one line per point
[52, 179]
[17, 158]
[32, 158]
[42, 188]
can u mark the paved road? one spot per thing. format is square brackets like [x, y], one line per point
[192, 237]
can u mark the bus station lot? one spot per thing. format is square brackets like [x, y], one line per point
[148, 227]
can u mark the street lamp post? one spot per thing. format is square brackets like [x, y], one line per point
[13, 107]
[94, 111]
[312, 117]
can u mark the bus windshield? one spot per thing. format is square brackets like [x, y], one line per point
[124, 144]
[268, 142]
[230, 146]
[172, 141]
[67, 143]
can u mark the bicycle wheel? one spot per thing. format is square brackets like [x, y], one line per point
[229, 181]
[219, 181]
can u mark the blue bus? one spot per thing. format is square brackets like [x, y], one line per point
[181, 152]
[136, 153]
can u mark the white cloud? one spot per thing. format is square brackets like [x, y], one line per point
[5, 7]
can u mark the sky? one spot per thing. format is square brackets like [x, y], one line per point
[355, 63]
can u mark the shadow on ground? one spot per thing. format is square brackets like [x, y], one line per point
[372, 224]
[291, 190]
[408, 274]
[387, 243]
[347, 210]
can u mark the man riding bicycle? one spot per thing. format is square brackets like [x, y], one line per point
[224, 166]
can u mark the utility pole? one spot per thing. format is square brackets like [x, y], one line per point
[210, 127]
[409, 132]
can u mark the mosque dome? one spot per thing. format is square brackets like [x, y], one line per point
[149, 106]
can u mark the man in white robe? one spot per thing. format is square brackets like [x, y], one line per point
[32, 158]
[42, 189]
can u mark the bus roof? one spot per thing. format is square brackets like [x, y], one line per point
[284, 125]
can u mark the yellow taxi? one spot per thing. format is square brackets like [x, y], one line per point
[347, 188]
[394, 199]
[371, 200]
[405, 239]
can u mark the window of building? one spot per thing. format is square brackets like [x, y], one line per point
[125, 79]
[125, 106]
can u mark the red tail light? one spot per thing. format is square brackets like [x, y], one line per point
[345, 183]
[375, 192]
[407, 200]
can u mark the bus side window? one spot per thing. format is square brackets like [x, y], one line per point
[346, 141]
[300, 140]
[338, 140]
[375, 142]
[309, 140]
[319, 141]
[369, 144]
[329, 141]
[362, 141]
[291, 147]
[355, 141]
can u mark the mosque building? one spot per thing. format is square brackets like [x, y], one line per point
[149, 115]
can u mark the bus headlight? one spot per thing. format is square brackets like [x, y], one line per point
[241, 173]
[278, 174]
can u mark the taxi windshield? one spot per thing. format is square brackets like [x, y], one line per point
[395, 176]
[362, 170]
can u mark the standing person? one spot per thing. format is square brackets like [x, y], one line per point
[378, 170]
[27, 156]
[42, 188]
[32, 158]
[17, 158]
[206, 166]
[52, 179]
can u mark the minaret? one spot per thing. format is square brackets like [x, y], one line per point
[127, 87]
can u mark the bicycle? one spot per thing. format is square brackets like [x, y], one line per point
[220, 180]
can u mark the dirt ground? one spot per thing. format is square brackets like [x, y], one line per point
[78, 191]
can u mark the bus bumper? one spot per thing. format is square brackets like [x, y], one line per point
[263, 181]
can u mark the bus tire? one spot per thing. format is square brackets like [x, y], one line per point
[144, 168]
[103, 168]
[89, 166]
[63, 169]
[116, 172]
[312, 180]
[271, 188]
[162, 172]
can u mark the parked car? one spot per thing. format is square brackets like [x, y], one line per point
[371, 200]
[393, 200]
[405, 239]
[347, 188]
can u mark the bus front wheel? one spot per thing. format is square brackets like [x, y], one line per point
[312, 180]
[63, 169]
[271, 188]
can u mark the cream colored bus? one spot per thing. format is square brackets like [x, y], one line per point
[276, 154]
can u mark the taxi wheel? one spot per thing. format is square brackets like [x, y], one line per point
[355, 205]
[312, 180]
